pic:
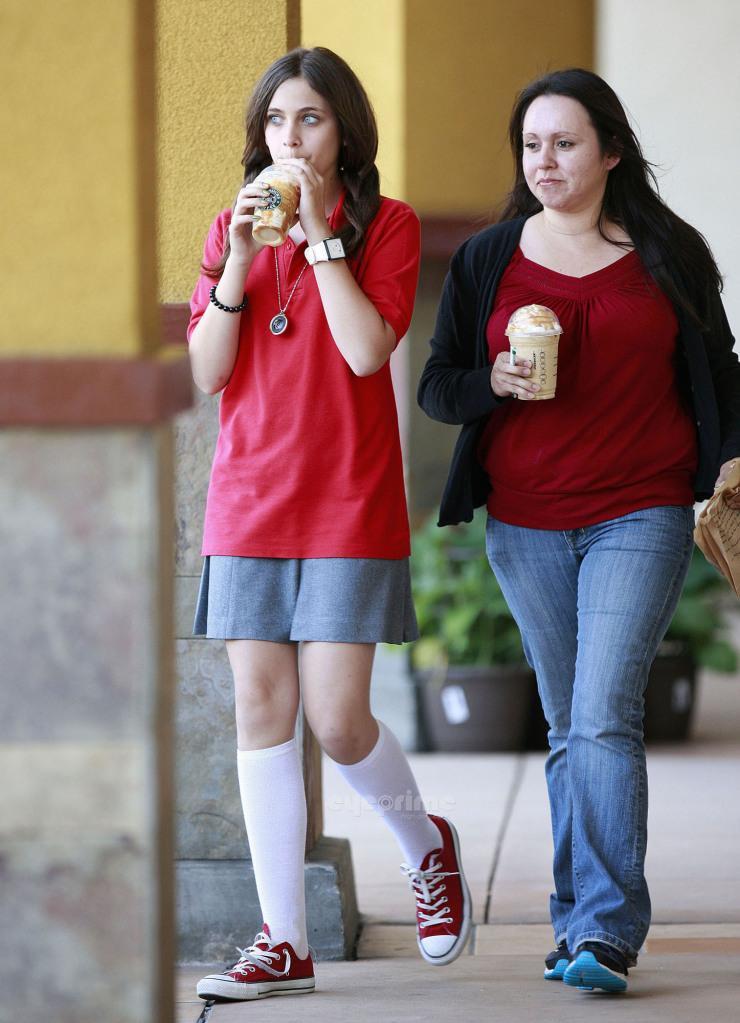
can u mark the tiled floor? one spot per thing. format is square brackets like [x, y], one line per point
[499, 805]
[669, 987]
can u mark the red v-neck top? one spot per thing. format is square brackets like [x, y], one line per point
[616, 437]
[308, 459]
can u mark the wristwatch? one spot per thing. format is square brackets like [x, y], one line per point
[322, 252]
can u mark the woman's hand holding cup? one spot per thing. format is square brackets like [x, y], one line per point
[509, 380]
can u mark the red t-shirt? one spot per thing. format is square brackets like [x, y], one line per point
[616, 437]
[308, 459]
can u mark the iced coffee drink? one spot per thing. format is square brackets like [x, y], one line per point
[276, 219]
[534, 332]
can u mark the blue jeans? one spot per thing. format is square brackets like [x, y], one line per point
[592, 606]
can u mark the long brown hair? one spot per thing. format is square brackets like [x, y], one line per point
[335, 80]
[675, 253]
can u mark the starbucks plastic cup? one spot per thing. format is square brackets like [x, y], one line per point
[276, 219]
[534, 332]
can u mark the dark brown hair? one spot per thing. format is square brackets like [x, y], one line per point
[676, 254]
[335, 80]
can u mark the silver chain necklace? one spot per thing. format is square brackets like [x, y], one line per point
[279, 322]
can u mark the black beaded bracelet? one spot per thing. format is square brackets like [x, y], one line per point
[227, 308]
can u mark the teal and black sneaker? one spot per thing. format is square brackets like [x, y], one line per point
[557, 962]
[596, 965]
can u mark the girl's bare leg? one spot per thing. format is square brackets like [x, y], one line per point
[335, 682]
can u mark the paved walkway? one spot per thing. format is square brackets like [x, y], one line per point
[689, 969]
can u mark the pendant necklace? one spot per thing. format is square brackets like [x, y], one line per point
[279, 322]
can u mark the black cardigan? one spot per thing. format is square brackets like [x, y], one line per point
[455, 385]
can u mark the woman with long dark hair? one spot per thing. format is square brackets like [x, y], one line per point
[589, 495]
[306, 537]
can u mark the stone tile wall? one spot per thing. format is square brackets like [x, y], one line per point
[84, 903]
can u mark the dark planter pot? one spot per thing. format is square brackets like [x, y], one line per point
[669, 703]
[473, 709]
[670, 697]
[535, 736]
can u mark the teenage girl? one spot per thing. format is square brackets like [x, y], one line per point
[306, 537]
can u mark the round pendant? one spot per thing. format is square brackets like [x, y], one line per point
[279, 324]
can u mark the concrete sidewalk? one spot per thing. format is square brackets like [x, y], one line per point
[689, 969]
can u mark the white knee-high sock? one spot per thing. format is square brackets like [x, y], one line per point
[274, 805]
[385, 780]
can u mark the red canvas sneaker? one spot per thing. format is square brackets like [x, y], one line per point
[263, 969]
[443, 913]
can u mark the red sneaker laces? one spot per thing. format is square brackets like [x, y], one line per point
[431, 904]
[255, 957]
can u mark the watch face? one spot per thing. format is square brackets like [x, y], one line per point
[335, 248]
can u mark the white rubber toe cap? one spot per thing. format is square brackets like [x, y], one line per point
[438, 945]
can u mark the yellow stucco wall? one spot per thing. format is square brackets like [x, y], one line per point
[371, 37]
[442, 76]
[79, 226]
[208, 58]
[71, 177]
[465, 61]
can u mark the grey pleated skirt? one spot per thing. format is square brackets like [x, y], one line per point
[331, 600]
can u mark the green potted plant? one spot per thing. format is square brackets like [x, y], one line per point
[473, 685]
[696, 638]
[474, 690]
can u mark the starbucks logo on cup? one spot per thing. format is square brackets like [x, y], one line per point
[273, 198]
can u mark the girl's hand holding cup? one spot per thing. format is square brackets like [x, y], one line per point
[244, 246]
[312, 212]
